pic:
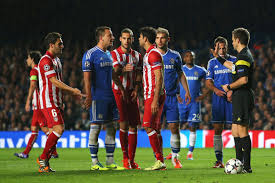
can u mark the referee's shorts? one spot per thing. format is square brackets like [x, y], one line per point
[243, 104]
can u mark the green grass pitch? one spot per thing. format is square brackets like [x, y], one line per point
[74, 164]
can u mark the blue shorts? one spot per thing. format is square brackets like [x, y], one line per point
[190, 113]
[221, 110]
[170, 109]
[103, 111]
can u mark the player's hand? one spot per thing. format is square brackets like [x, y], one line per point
[128, 68]
[154, 107]
[134, 95]
[219, 92]
[124, 95]
[27, 107]
[199, 98]
[88, 103]
[224, 87]
[180, 100]
[229, 95]
[187, 98]
[77, 92]
[215, 52]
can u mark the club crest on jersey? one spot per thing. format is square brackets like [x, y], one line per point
[172, 61]
[196, 73]
[55, 119]
[216, 66]
[46, 67]
[208, 73]
[99, 116]
[87, 64]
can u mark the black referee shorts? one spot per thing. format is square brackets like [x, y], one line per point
[242, 106]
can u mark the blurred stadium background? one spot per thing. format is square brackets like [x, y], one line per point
[192, 24]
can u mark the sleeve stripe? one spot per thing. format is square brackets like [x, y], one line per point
[49, 72]
[157, 65]
[243, 62]
[33, 78]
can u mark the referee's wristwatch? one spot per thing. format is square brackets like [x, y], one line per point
[228, 87]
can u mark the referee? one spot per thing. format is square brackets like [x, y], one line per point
[243, 97]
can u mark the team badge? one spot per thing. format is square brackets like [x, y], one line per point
[87, 64]
[55, 119]
[216, 66]
[46, 67]
[101, 58]
[172, 61]
[196, 73]
[208, 73]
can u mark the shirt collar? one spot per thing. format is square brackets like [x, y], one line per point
[48, 53]
[150, 48]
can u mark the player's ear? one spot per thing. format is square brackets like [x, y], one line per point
[169, 39]
[133, 39]
[120, 38]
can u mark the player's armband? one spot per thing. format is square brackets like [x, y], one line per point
[33, 78]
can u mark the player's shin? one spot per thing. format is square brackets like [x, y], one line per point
[123, 136]
[51, 142]
[192, 141]
[132, 145]
[246, 146]
[93, 142]
[154, 141]
[31, 142]
[175, 144]
[238, 148]
[110, 143]
[218, 146]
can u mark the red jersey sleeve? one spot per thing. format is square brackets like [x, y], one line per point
[34, 75]
[155, 60]
[46, 67]
[116, 62]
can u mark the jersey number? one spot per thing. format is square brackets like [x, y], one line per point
[196, 117]
[54, 113]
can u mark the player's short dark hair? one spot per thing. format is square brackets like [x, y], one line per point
[190, 51]
[242, 34]
[51, 38]
[150, 33]
[220, 39]
[100, 31]
[35, 55]
[163, 31]
[127, 30]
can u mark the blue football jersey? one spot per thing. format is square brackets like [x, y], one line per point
[194, 76]
[172, 65]
[100, 64]
[219, 73]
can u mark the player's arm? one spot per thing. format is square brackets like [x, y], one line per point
[210, 85]
[185, 85]
[87, 89]
[33, 86]
[223, 61]
[158, 86]
[117, 71]
[65, 87]
[205, 92]
[138, 83]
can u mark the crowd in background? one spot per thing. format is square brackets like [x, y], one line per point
[14, 84]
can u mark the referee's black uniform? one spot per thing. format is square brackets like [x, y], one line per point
[243, 102]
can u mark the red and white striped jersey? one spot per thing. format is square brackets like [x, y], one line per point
[49, 95]
[35, 96]
[152, 60]
[120, 59]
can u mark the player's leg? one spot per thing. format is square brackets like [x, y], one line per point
[111, 114]
[134, 121]
[218, 119]
[245, 142]
[124, 126]
[96, 118]
[194, 118]
[152, 126]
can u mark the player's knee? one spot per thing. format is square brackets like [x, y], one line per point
[218, 129]
[148, 130]
[34, 128]
[133, 129]
[123, 126]
[174, 127]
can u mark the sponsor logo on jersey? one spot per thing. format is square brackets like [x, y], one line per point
[106, 64]
[222, 71]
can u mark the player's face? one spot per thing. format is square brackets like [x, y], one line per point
[29, 61]
[162, 40]
[222, 50]
[141, 40]
[188, 58]
[108, 38]
[58, 47]
[126, 40]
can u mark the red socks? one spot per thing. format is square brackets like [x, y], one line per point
[31, 142]
[155, 144]
[50, 144]
[123, 135]
[132, 145]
